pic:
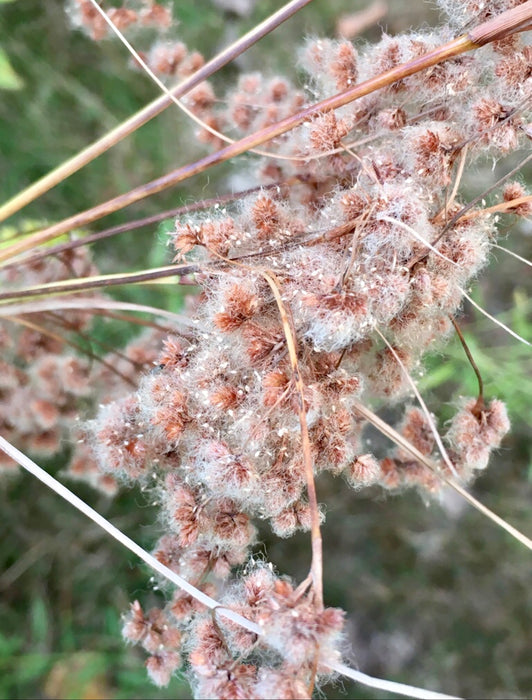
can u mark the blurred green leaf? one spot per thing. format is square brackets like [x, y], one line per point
[39, 622]
[9, 80]
[9, 645]
[30, 666]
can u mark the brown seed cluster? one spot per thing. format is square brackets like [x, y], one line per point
[359, 242]
[48, 378]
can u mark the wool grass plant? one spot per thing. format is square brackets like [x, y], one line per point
[317, 287]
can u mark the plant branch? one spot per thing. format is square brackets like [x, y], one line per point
[511, 21]
[402, 442]
[66, 494]
[74, 164]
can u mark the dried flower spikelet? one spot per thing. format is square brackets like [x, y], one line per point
[298, 631]
[240, 302]
[391, 118]
[183, 606]
[333, 65]
[261, 341]
[493, 127]
[256, 102]
[157, 635]
[122, 17]
[208, 650]
[173, 354]
[192, 63]
[326, 132]
[215, 234]
[391, 51]
[184, 510]
[120, 442]
[330, 442]
[283, 682]
[475, 431]
[297, 516]
[231, 682]
[166, 58]
[156, 15]
[83, 14]
[515, 68]
[429, 152]
[363, 471]
[267, 217]
[85, 467]
[135, 623]
[231, 526]
[161, 667]
[225, 473]
[282, 483]
[416, 429]
[462, 253]
[200, 99]
[514, 190]
[166, 401]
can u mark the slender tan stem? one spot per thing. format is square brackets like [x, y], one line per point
[315, 533]
[519, 19]
[449, 50]
[316, 567]
[84, 284]
[508, 207]
[127, 127]
[398, 439]
[453, 48]
[479, 406]
[145, 221]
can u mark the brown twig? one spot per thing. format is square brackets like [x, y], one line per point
[316, 568]
[508, 22]
[402, 442]
[150, 111]
[480, 405]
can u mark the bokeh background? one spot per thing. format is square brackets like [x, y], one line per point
[437, 596]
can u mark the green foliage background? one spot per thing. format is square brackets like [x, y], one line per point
[437, 597]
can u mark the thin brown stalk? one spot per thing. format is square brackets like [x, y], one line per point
[514, 255]
[465, 212]
[74, 164]
[83, 284]
[479, 406]
[519, 19]
[449, 50]
[94, 306]
[462, 213]
[56, 318]
[417, 393]
[502, 207]
[316, 541]
[450, 200]
[316, 568]
[399, 440]
[140, 223]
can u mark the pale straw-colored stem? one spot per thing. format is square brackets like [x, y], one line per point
[511, 20]
[127, 127]
[156, 565]
[124, 540]
[383, 427]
